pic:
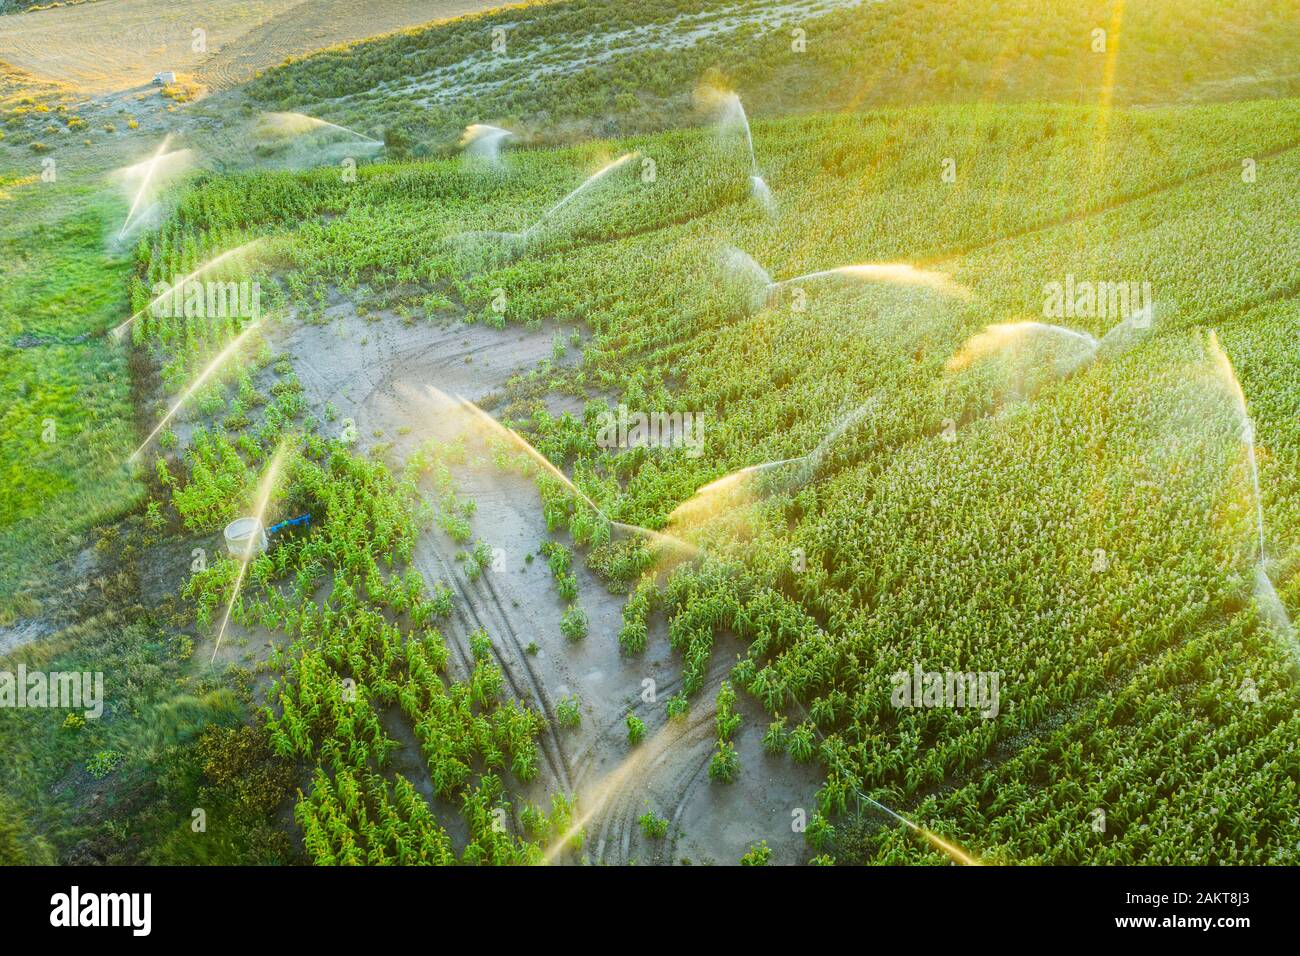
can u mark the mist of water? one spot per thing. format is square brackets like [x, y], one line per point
[1126, 333]
[148, 178]
[745, 276]
[295, 124]
[818, 454]
[1272, 610]
[731, 116]
[481, 142]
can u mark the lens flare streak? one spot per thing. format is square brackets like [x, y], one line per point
[215, 364]
[120, 330]
[151, 167]
[264, 492]
[490, 424]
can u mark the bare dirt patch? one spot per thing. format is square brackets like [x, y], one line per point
[120, 44]
[306, 27]
[372, 373]
[367, 371]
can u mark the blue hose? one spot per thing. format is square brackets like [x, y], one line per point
[292, 522]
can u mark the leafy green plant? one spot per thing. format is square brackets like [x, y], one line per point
[758, 854]
[725, 763]
[573, 625]
[726, 719]
[568, 713]
[103, 763]
[635, 729]
[654, 827]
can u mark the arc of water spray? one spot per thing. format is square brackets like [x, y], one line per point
[758, 187]
[697, 499]
[120, 330]
[150, 168]
[480, 139]
[287, 118]
[652, 749]
[718, 484]
[741, 263]
[264, 491]
[896, 273]
[954, 852]
[1001, 336]
[1267, 599]
[519, 442]
[582, 187]
[212, 366]
[689, 510]
[1229, 375]
[609, 786]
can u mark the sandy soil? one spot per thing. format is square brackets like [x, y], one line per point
[367, 370]
[23, 632]
[378, 385]
[115, 45]
[316, 24]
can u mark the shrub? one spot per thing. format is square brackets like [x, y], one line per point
[574, 623]
[635, 729]
[654, 827]
[725, 763]
[759, 854]
[567, 712]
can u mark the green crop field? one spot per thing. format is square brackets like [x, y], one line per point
[956, 519]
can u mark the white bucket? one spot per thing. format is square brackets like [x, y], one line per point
[245, 537]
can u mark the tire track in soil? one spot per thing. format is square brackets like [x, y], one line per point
[618, 814]
[585, 756]
[672, 773]
[468, 610]
[675, 821]
[621, 815]
[522, 656]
